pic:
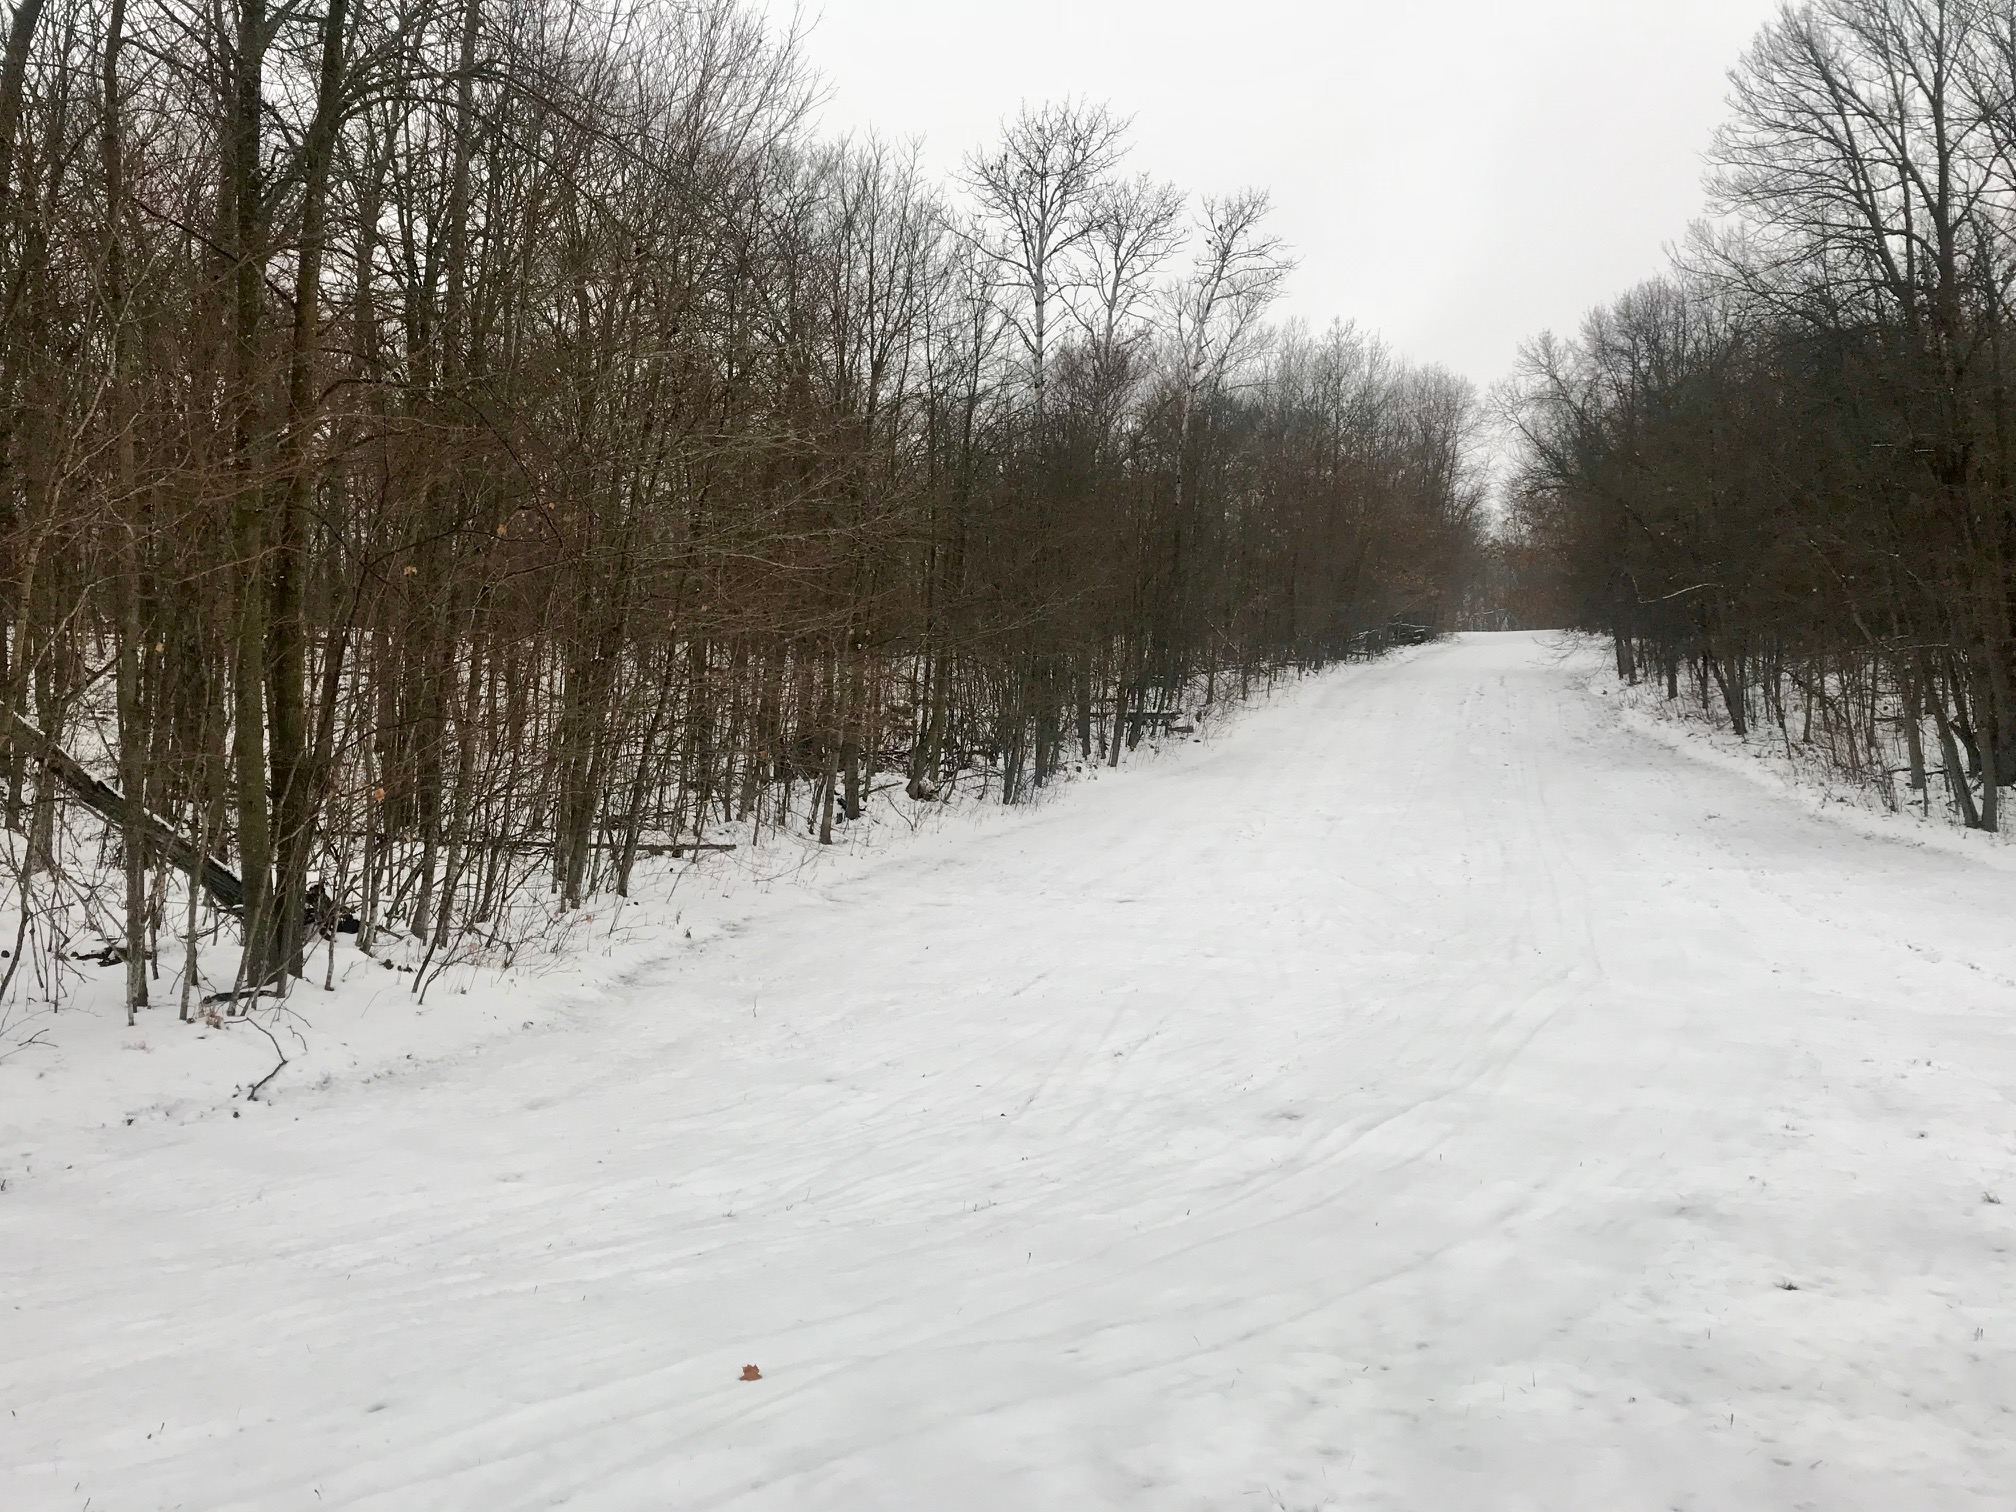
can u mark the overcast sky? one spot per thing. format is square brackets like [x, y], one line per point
[1457, 176]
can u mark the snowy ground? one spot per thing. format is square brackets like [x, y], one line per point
[1430, 1094]
[1804, 774]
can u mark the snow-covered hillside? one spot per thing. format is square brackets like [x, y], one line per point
[1429, 1094]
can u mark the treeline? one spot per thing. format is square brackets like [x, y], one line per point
[1782, 474]
[449, 449]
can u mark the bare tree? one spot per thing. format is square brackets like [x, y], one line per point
[1038, 192]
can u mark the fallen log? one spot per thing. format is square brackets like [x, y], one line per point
[103, 799]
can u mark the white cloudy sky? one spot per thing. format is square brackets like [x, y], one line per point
[1456, 176]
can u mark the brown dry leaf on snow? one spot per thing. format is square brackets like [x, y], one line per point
[751, 1373]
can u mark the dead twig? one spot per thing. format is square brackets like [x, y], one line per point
[273, 1039]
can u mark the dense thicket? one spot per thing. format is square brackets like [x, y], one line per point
[1783, 473]
[449, 447]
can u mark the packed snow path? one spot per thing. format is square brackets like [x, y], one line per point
[1422, 1097]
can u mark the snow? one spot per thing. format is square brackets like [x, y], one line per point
[1430, 1092]
[1766, 757]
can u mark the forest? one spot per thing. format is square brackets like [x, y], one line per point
[452, 451]
[1779, 477]
[703, 808]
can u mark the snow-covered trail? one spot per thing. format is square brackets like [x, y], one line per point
[1416, 1099]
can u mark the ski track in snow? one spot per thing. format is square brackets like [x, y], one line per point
[1419, 1097]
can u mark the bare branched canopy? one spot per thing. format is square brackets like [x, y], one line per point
[1787, 469]
[452, 453]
